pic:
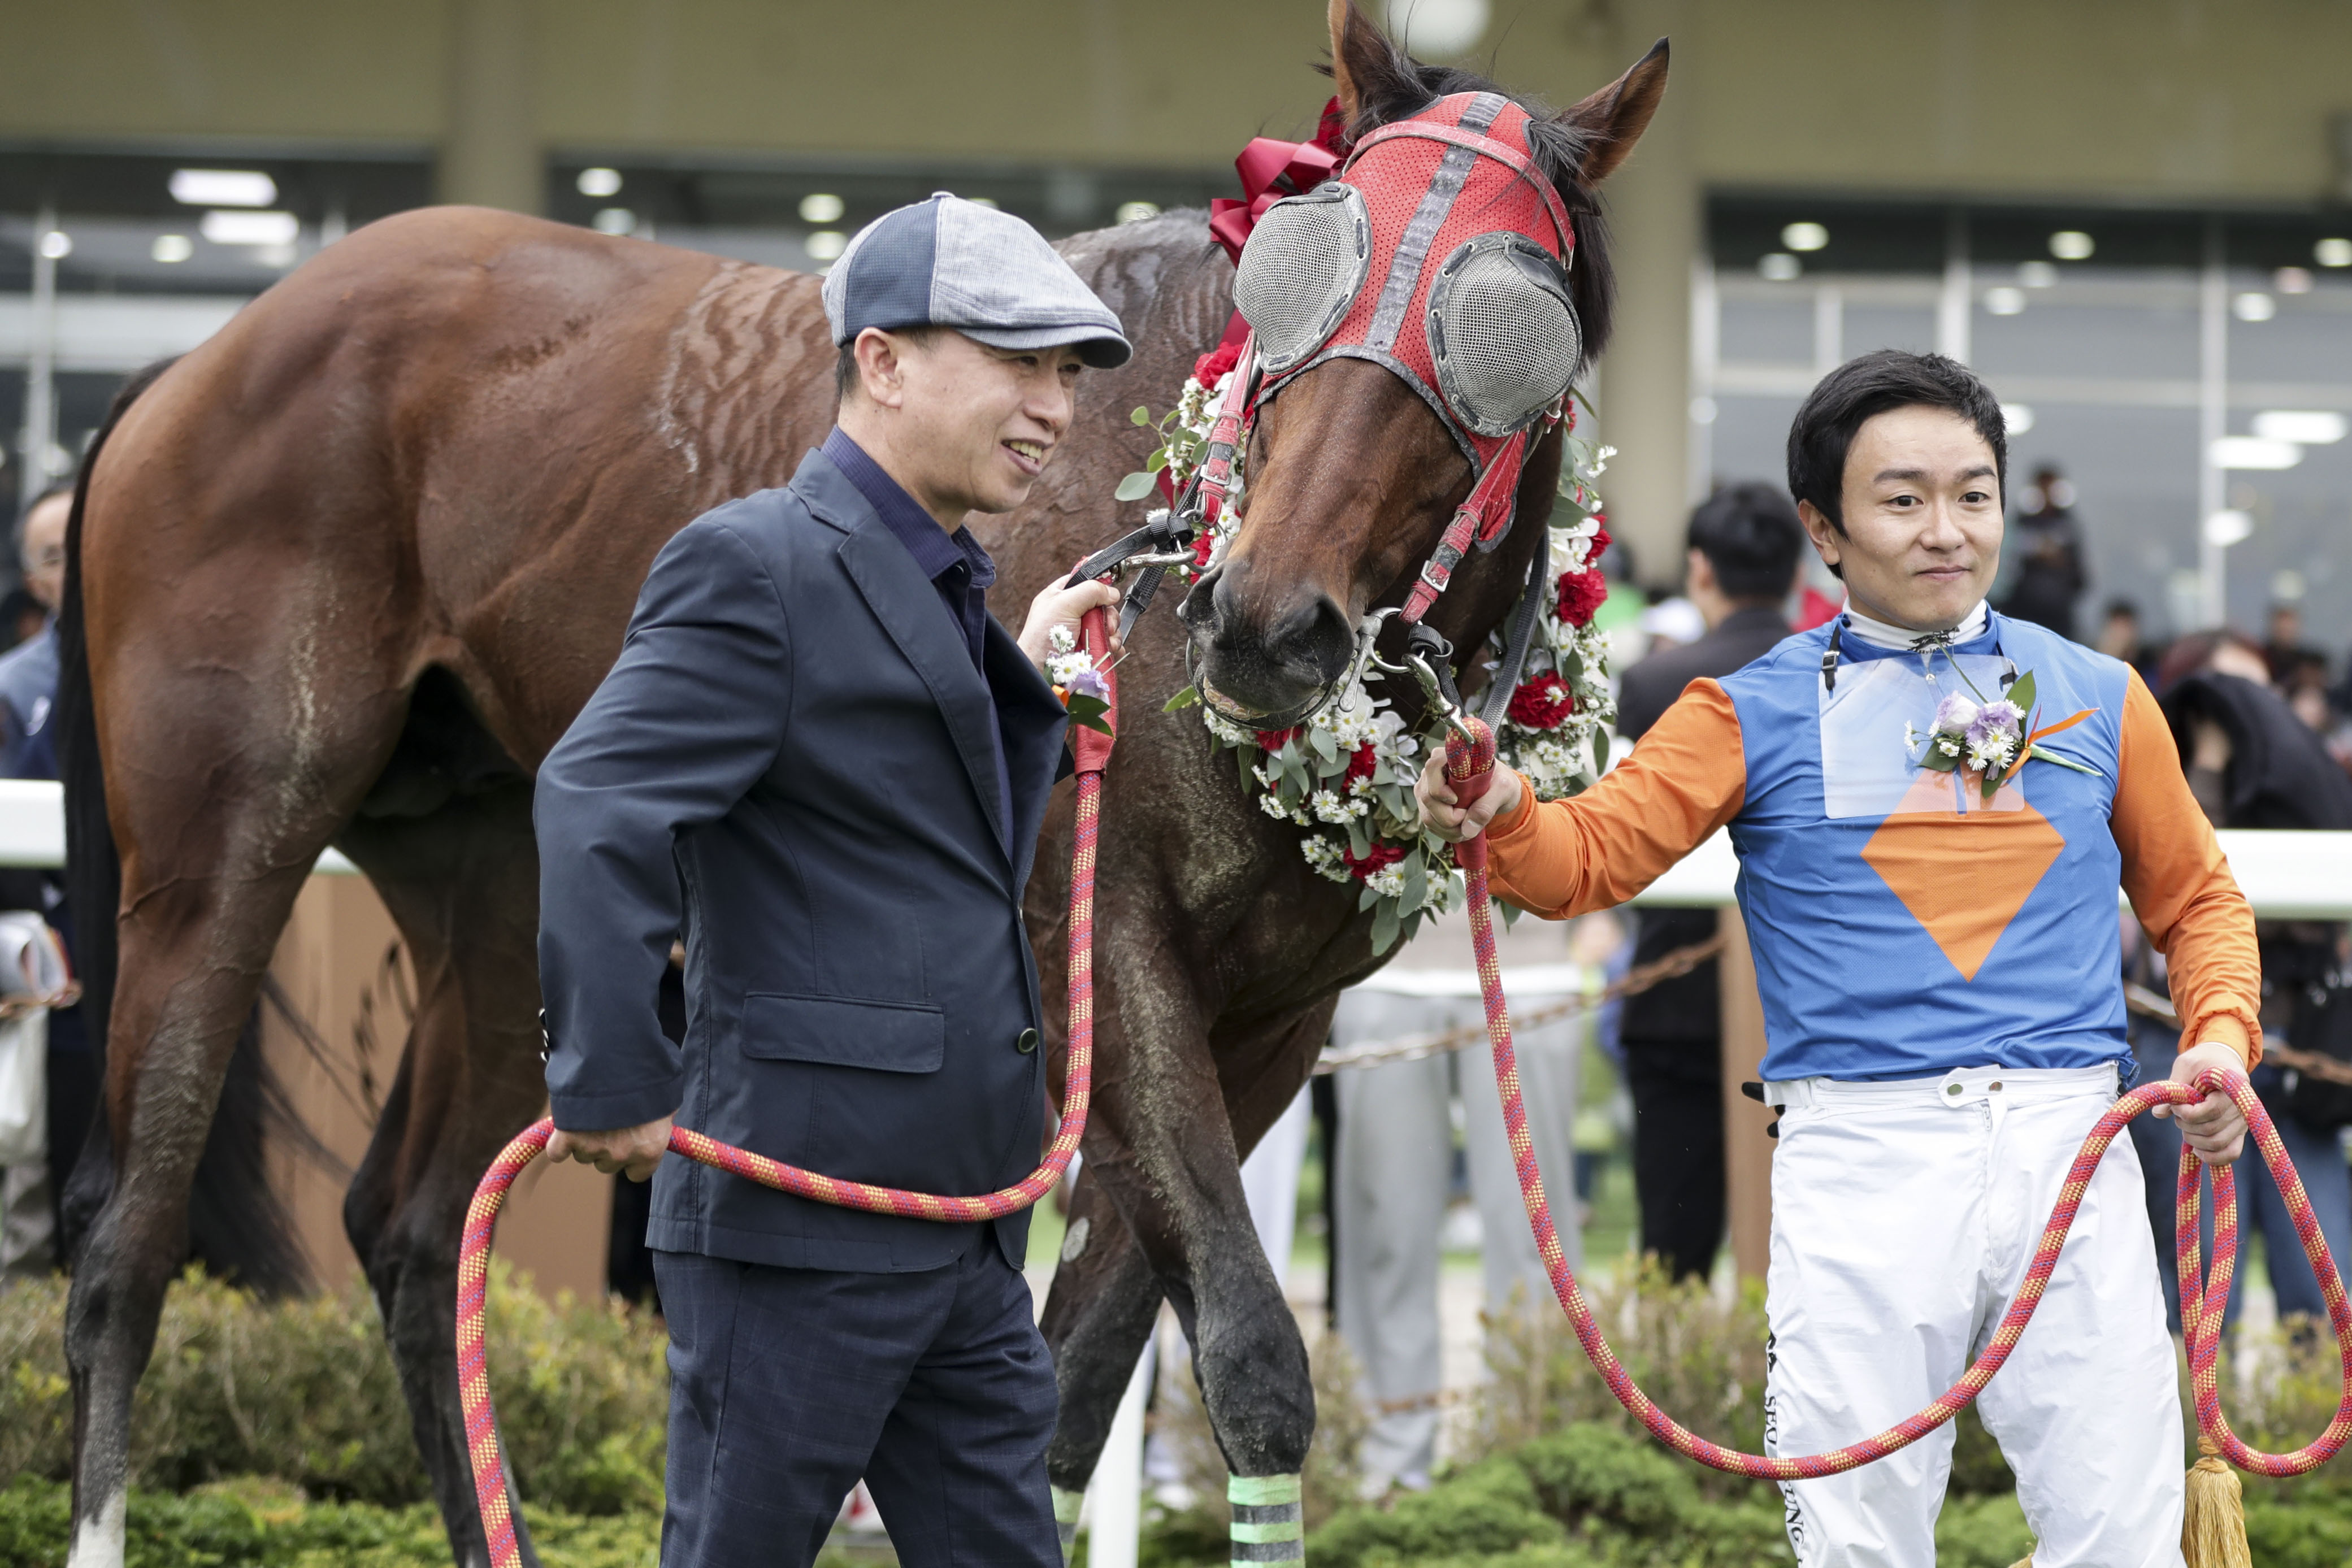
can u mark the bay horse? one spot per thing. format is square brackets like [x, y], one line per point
[342, 575]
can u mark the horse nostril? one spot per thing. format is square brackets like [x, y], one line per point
[1313, 635]
[1200, 608]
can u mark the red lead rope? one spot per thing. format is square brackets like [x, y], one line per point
[1091, 751]
[1468, 767]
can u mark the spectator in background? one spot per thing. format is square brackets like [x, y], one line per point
[22, 616]
[2047, 575]
[2122, 637]
[2285, 652]
[2251, 763]
[1743, 550]
[28, 689]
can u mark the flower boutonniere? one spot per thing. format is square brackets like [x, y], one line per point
[1990, 739]
[1076, 682]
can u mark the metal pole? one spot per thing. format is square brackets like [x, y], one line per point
[2213, 421]
[1960, 283]
[41, 433]
[1707, 331]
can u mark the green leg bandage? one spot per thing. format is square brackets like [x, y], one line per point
[1066, 1519]
[1268, 1526]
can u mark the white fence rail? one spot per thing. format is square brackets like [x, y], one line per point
[2286, 876]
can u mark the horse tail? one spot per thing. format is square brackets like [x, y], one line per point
[237, 1227]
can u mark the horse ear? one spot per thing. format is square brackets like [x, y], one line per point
[1359, 55]
[1614, 118]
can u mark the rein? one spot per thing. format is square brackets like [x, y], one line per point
[1469, 768]
[493, 1491]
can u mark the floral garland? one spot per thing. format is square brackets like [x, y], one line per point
[1347, 776]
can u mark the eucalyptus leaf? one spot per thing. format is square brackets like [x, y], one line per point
[1386, 927]
[1366, 899]
[1320, 739]
[1416, 882]
[1600, 750]
[1360, 839]
[1135, 486]
[1140, 416]
[1509, 912]
[1186, 696]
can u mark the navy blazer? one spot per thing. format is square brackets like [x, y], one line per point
[790, 763]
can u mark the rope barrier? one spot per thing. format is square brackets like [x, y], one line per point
[1469, 766]
[1414, 1046]
[492, 1488]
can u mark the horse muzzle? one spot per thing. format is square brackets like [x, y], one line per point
[1265, 666]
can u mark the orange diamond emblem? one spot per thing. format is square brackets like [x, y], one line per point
[1963, 874]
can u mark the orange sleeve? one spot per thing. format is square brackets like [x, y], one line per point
[2180, 886]
[1685, 779]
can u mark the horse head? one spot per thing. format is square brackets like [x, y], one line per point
[1369, 429]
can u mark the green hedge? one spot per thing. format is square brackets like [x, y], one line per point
[303, 1390]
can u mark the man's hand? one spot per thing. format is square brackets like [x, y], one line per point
[633, 1150]
[2214, 1126]
[1058, 606]
[1447, 819]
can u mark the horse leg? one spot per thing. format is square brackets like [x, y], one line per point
[221, 795]
[1097, 1319]
[1174, 1175]
[463, 885]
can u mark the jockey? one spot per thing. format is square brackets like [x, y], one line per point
[1933, 806]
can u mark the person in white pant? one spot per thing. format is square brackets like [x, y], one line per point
[1393, 1172]
[1934, 805]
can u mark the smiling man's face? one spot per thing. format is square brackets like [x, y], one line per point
[1923, 523]
[978, 424]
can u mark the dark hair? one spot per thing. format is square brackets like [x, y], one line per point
[2122, 607]
[1750, 535]
[844, 364]
[1866, 387]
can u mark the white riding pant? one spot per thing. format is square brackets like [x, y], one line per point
[1903, 1217]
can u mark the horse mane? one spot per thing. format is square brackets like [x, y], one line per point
[1390, 85]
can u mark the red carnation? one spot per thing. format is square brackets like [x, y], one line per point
[1202, 544]
[1383, 855]
[1360, 763]
[1598, 546]
[1275, 739]
[1543, 703]
[1581, 593]
[1210, 366]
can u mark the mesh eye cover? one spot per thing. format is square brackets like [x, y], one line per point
[1502, 333]
[1304, 265]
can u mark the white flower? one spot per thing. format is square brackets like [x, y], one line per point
[1388, 881]
[1062, 666]
[1327, 806]
[1271, 804]
[1994, 752]
[1061, 640]
[1323, 855]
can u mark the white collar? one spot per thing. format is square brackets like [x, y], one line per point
[1880, 634]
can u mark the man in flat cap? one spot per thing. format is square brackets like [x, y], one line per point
[821, 759]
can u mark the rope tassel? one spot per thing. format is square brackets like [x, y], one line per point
[2214, 1522]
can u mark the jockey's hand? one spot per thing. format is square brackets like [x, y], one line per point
[2214, 1126]
[633, 1150]
[1058, 606]
[1447, 819]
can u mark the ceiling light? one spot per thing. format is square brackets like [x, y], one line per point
[1136, 211]
[1703, 411]
[2253, 307]
[1779, 267]
[2072, 244]
[2334, 251]
[1438, 29]
[2037, 274]
[2017, 418]
[57, 245]
[822, 207]
[825, 245]
[599, 182]
[2255, 451]
[2305, 427]
[223, 188]
[2005, 302]
[171, 249]
[2292, 280]
[615, 221]
[251, 228]
[1804, 236]
[2224, 529]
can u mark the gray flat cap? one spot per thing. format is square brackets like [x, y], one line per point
[951, 263]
